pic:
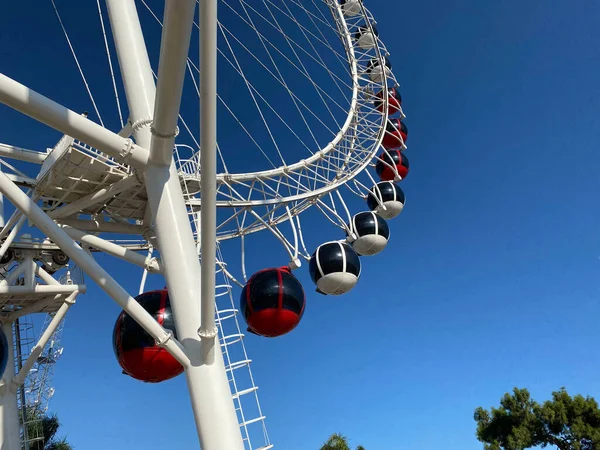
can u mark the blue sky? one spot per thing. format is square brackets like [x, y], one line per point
[490, 278]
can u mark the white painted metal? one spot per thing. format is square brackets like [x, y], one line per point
[208, 161]
[152, 264]
[45, 276]
[2, 220]
[21, 154]
[39, 289]
[14, 217]
[89, 265]
[98, 226]
[336, 164]
[44, 110]
[99, 196]
[193, 302]
[207, 381]
[11, 236]
[9, 412]
[13, 275]
[37, 306]
[36, 351]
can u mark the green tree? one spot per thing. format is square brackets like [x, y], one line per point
[338, 442]
[565, 422]
[45, 427]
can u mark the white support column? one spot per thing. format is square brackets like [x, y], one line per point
[210, 395]
[2, 220]
[9, 411]
[29, 278]
[208, 161]
[11, 236]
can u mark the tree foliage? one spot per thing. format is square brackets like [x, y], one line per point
[45, 427]
[338, 442]
[565, 422]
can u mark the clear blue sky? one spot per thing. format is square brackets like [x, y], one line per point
[490, 280]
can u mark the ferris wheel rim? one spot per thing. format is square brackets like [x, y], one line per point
[352, 122]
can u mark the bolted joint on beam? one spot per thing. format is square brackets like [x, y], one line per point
[208, 334]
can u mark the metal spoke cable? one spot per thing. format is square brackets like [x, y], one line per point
[239, 122]
[324, 24]
[281, 78]
[197, 69]
[87, 87]
[342, 60]
[304, 68]
[250, 90]
[300, 47]
[262, 64]
[112, 72]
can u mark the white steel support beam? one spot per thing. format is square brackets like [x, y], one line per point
[11, 236]
[45, 276]
[103, 226]
[94, 270]
[210, 395]
[34, 307]
[14, 217]
[21, 154]
[97, 197]
[42, 109]
[116, 250]
[29, 284]
[2, 218]
[208, 161]
[36, 351]
[9, 411]
[22, 181]
[14, 274]
[42, 289]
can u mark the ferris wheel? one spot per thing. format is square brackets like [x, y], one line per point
[301, 128]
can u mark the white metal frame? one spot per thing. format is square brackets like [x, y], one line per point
[210, 395]
[153, 122]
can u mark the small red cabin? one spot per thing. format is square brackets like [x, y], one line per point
[137, 353]
[394, 101]
[272, 302]
[396, 133]
[398, 162]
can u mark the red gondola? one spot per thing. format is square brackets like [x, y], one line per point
[272, 302]
[137, 353]
[394, 158]
[395, 133]
[394, 101]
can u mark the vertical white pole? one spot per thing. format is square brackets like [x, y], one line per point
[9, 411]
[208, 161]
[2, 221]
[210, 395]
